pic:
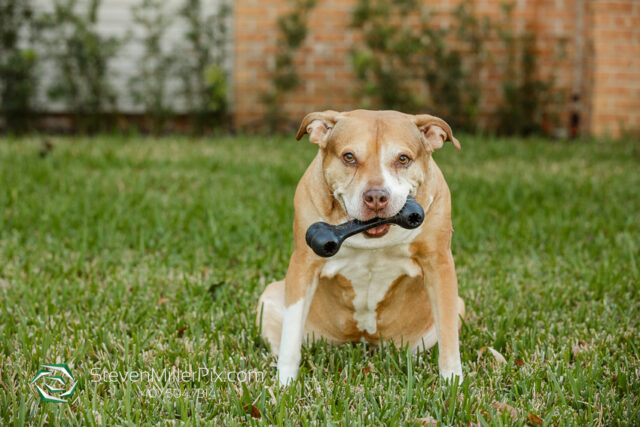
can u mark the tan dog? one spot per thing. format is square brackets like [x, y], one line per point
[388, 281]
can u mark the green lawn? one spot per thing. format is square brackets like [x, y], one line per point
[131, 255]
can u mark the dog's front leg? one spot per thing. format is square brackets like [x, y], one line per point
[300, 286]
[442, 287]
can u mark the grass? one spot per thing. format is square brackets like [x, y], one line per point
[125, 254]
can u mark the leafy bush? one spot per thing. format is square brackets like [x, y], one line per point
[81, 57]
[528, 98]
[405, 63]
[149, 87]
[201, 63]
[386, 63]
[293, 30]
[17, 64]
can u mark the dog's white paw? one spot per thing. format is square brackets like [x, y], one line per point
[451, 370]
[286, 374]
[451, 376]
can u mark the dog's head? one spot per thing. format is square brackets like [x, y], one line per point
[372, 160]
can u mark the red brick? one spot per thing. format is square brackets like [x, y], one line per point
[609, 68]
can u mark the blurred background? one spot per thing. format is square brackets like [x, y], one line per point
[563, 68]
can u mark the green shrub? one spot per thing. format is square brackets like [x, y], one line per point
[201, 63]
[386, 62]
[528, 97]
[80, 56]
[292, 28]
[414, 67]
[405, 62]
[18, 83]
[149, 87]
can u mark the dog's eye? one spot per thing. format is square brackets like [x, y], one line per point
[404, 160]
[349, 158]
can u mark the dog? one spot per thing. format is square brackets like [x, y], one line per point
[387, 283]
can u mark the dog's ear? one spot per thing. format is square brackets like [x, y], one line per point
[318, 125]
[435, 131]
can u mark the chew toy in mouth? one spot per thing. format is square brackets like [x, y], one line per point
[378, 231]
[326, 239]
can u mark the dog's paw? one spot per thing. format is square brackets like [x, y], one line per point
[286, 374]
[451, 371]
[451, 376]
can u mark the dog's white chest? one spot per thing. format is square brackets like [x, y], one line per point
[371, 273]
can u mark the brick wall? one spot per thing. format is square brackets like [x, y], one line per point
[614, 74]
[600, 61]
[322, 62]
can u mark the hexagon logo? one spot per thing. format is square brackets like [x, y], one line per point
[54, 383]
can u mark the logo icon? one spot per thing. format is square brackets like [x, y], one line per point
[55, 383]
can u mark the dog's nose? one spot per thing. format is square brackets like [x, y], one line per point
[376, 199]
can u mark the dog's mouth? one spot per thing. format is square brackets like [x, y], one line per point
[378, 231]
[375, 232]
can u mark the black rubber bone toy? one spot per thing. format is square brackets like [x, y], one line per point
[326, 239]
